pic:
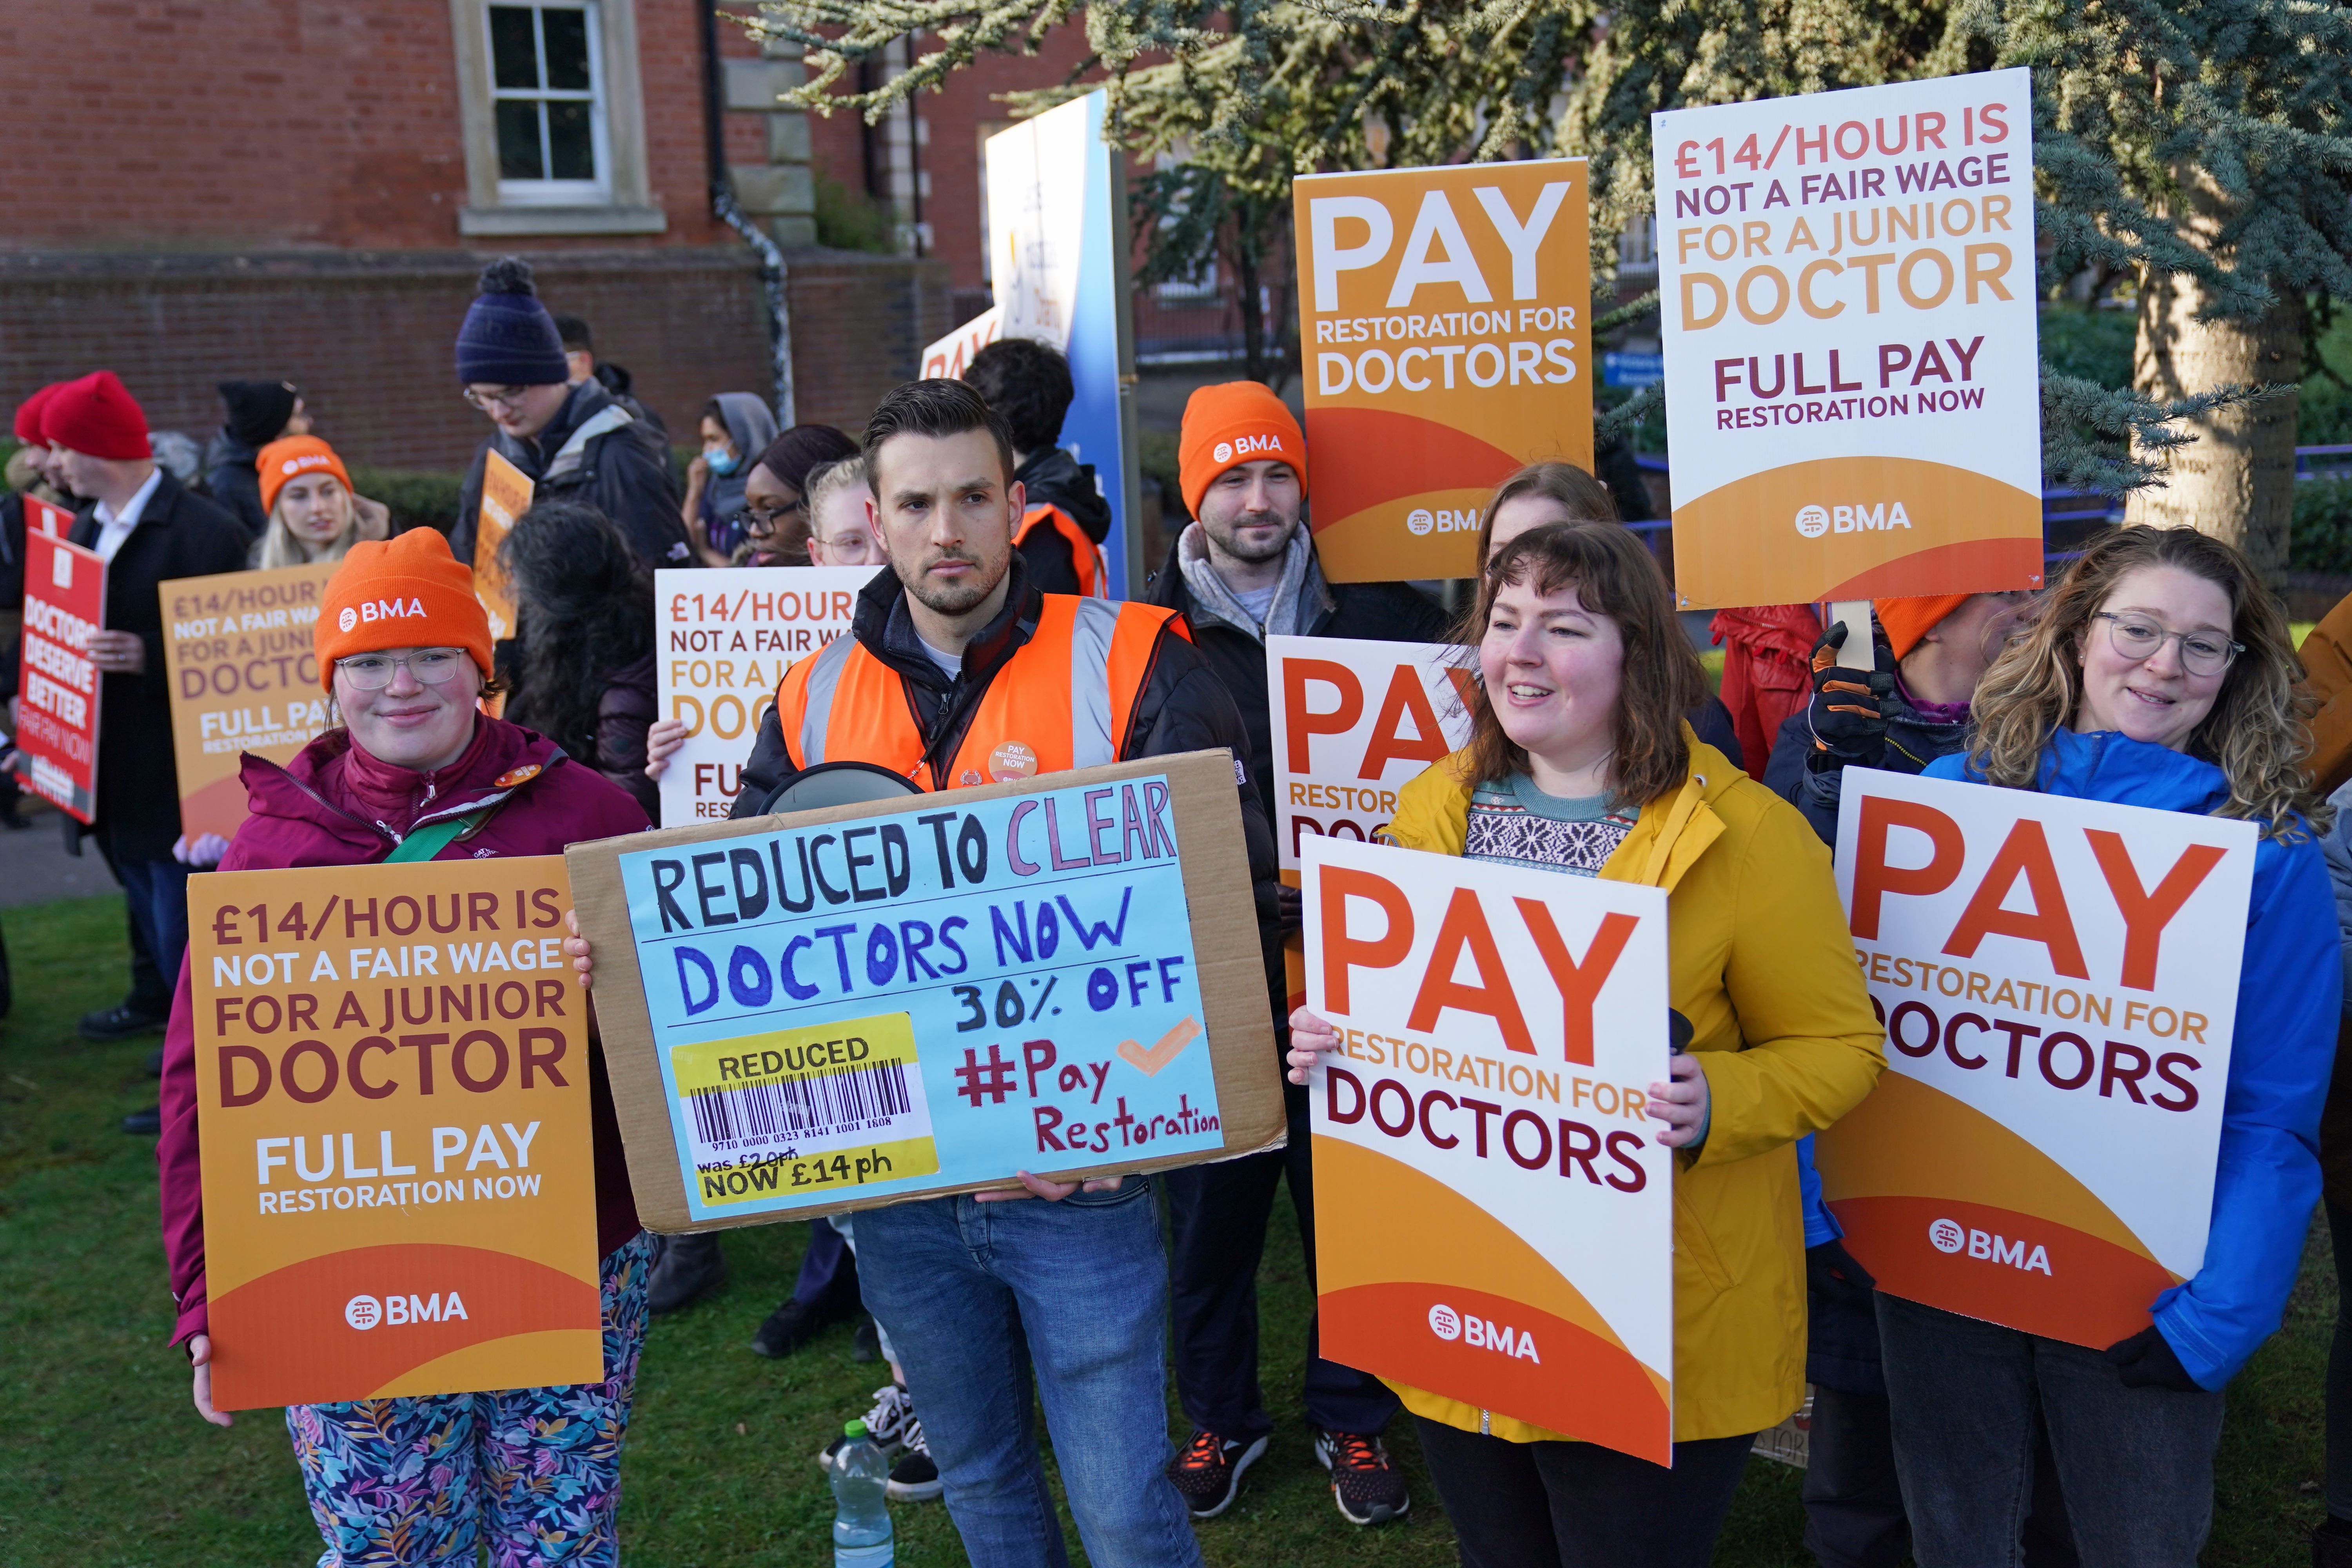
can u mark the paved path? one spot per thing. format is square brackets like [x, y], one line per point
[35, 867]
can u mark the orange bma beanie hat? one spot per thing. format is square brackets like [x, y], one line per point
[408, 592]
[297, 455]
[1908, 620]
[1235, 422]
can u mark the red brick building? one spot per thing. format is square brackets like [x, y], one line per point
[305, 189]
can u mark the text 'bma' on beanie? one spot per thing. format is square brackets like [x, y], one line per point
[508, 338]
[98, 417]
[405, 592]
[1235, 422]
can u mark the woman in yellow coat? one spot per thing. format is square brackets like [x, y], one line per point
[1579, 763]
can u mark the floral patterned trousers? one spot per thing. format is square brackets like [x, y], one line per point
[532, 1473]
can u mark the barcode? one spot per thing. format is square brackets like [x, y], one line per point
[800, 1107]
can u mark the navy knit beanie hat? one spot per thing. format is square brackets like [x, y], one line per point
[508, 338]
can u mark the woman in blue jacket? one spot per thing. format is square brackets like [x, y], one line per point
[2158, 674]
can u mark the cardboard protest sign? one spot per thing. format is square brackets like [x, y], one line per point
[41, 517]
[1495, 1219]
[1443, 316]
[947, 359]
[1853, 386]
[506, 496]
[725, 643]
[837, 1009]
[245, 678]
[56, 718]
[391, 1084]
[2059, 981]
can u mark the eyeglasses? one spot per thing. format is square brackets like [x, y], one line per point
[505, 397]
[2137, 637]
[766, 519]
[430, 666]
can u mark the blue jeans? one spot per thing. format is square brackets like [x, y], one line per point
[157, 894]
[977, 1297]
[2137, 1464]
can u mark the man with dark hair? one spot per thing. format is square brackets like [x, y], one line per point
[572, 440]
[954, 657]
[1066, 520]
[260, 412]
[1245, 570]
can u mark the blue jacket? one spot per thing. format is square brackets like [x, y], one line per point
[2282, 1047]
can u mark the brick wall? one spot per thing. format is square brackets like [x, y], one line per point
[177, 123]
[368, 337]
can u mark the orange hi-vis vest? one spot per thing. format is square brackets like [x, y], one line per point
[1085, 556]
[1063, 700]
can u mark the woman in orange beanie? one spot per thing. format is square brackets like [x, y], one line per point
[314, 514]
[416, 771]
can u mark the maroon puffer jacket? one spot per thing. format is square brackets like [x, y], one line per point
[336, 805]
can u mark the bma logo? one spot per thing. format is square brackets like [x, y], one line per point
[384, 610]
[364, 1312]
[1812, 521]
[1421, 521]
[1223, 454]
[1949, 1237]
[1475, 1331]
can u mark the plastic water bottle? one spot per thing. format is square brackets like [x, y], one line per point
[861, 1518]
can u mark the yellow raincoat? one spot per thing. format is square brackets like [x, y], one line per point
[1763, 968]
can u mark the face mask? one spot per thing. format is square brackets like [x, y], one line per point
[721, 461]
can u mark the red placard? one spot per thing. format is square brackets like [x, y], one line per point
[57, 717]
[41, 516]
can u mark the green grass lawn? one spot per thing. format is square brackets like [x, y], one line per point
[103, 1461]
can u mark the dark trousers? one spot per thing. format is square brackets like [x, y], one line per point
[828, 1277]
[2340, 1370]
[1579, 1505]
[156, 894]
[1217, 1217]
[2137, 1463]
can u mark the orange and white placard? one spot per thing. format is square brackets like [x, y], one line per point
[2059, 981]
[245, 678]
[506, 496]
[391, 1086]
[1494, 1217]
[1355, 719]
[726, 639]
[1846, 291]
[1445, 319]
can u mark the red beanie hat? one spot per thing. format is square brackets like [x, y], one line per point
[28, 415]
[1235, 422]
[1908, 620]
[408, 592]
[281, 460]
[98, 417]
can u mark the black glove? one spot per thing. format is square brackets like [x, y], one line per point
[1830, 1270]
[1290, 906]
[2146, 1360]
[1850, 707]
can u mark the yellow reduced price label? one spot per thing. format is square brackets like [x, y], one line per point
[835, 1105]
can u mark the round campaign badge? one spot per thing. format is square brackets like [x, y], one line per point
[1011, 761]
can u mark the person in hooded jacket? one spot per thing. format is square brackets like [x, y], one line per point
[586, 678]
[2158, 673]
[1582, 763]
[736, 430]
[260, 412]
[416, 771]
[1065, 518]
[573, 442]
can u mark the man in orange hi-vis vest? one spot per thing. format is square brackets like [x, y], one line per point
[957, 671]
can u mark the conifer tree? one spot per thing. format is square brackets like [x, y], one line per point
[2200, 149]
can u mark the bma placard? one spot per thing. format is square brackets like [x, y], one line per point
[245, 678]
[1493, 1216]
[57, 715]
[1846, 285]
[726, 640]
[2059, 983]
[391, 1081]
[1444, 323]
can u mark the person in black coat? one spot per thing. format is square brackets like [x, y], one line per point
[151, 530]
[1066, 518]
[260, 412]
[575, 443]
[1246, 569]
